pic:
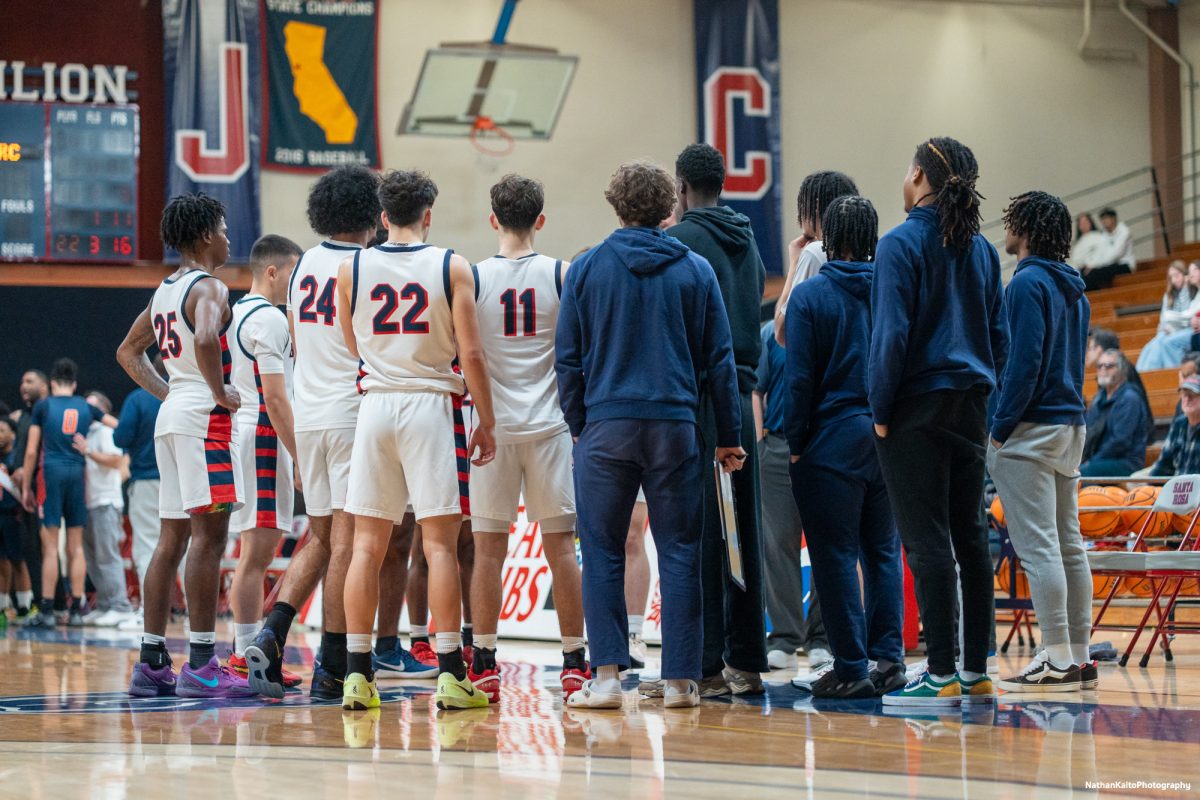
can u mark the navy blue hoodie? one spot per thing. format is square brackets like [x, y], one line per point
[829, 335]
[1118, 427]
[937, 318]
[1048, 318]
[641, 319]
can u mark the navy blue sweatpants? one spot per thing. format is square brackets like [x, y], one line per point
[612, 458]
[846, 518]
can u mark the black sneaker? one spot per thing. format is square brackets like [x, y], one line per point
[1089, 676]
[264, 665]
[889, 680]
[325, 685]
[1042, 677]
[861, 689]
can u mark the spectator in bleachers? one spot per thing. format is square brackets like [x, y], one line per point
[1116, 258]
[1089, 243]
[1180, 309]
[1119, 421]
[1181, 453]
[1099, 340]
[107, 467]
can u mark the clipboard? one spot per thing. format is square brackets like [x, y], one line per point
[727, 513]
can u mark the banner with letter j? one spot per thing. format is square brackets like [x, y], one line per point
[321, 84]
[737, 82]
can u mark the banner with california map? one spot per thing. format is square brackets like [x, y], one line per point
[321, 84]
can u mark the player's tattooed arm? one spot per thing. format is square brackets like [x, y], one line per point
[131, 355]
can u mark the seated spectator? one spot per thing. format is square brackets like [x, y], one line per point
[1119, 421]
[1099, 340]
[1181, 453]
[1089, 243]
[1176, 324]
[1116, 258]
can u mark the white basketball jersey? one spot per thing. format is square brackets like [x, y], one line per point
[518, 303]
[189, 408]
[261, 346]
[402, 320]
[326, 396]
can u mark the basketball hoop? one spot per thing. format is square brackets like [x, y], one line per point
[490, 139]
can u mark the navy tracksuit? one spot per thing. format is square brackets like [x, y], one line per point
[641, 319]
[837, 481]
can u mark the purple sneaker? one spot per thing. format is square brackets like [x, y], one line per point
[150, 682]
[212, 681]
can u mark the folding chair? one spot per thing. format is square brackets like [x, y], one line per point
[1169, 571]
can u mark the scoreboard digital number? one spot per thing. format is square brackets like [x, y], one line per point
[68, 182]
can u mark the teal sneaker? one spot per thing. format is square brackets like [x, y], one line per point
[924, 690]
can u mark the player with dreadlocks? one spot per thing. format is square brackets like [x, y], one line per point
[1038, 436]
[836, 479]
[939, 338]
[805, 253]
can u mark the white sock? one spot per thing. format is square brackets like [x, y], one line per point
[607, 680]
[418, 631]
[243, 635]
[635, 624]
[486, 640]
[572, 643]
[448, 642]
[1060, 655]
[358, 642]
[944, 678]
[967, 675]
[150, 638]
[202, 637]
[25, 599]
[1081, 653]
[5, 602]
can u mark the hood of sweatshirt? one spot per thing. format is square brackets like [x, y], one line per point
[730, 230]
[853, 277]
[1065, 277]
[646, 250]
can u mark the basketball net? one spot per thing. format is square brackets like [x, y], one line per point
[490, 139]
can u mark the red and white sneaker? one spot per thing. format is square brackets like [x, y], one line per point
[573, 680]
[424, 653]
[468, 654]
[487, 682]
[238, 665]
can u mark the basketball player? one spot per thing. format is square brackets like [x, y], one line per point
[518, 304]
[262, 373]
[60, 486]
[939, 337]
[343, 207]
[403, 307]
[194, 444]
[1037, 440]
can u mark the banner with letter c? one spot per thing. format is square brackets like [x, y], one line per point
[737, 85]
[321, 84]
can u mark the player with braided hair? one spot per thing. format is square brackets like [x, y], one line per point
[939, 338]
[1038, 437]
[835, 472]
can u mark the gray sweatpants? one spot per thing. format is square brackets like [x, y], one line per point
[1037, 475]
[143, 518]
[102, 552]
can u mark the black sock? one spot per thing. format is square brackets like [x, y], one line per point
[575, 660]
[360, 662]
[483, 659]
[46, 606]
[155, 655]
[414, 639]
[76, 604]
[280, 621]
[386, 644]
[468, 634]
[200, 653]
[333, 654]
[453, 663]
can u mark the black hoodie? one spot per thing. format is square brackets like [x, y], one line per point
[725, 238]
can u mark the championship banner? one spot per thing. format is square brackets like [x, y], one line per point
[737, 82]
[213, 98]
[321, 84]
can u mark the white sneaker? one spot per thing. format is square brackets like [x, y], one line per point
[688, 699]
[818, 657]
[805, 680]
[914, 671]
[637, 653]
[132, 622]
[122, 617]
[588, 697]
[782, 659]
[93, 617]
[110, 618]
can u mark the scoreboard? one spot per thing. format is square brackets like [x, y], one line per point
[68, 182]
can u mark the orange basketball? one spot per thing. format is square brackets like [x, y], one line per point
[1180, 522]
[997, 511]
[1095, 520]
[1132, 520]
[1138, 587]
[1101, 584]
[1002, 578]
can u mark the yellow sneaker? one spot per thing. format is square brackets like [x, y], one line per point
[455, 727]
[358, 727]
[453, 694]
[358, 693]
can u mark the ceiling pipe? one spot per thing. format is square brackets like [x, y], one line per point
[1178, 58]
